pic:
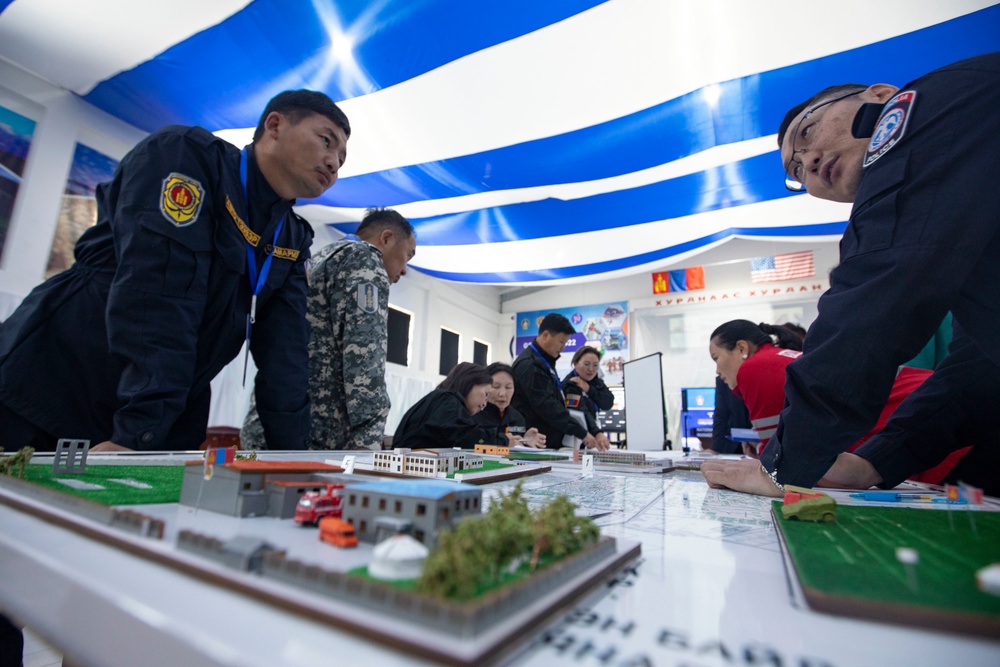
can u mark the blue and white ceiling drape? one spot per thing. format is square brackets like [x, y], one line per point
[528, 141]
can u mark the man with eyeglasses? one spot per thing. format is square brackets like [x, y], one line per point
[920, 164]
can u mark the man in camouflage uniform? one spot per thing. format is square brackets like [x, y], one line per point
[348, 310]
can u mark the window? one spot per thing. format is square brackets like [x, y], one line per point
[449, 351]
[677, 333]
[399, 506]
[381, 503]
[364, 501]
[421, 509]
[481, 353]
[398, 351]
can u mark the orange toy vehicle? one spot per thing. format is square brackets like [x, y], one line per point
[314, 506]
[337, 532]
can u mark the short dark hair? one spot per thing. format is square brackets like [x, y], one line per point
[377, 219]
[499, 367]
[586, 349]
[557, 324]
[464, 376]
[727, 335]
[297, 104]
[826, 93]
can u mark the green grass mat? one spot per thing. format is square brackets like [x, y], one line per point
[854, 559]
[487, 466]
[530, 456]
[163, 482]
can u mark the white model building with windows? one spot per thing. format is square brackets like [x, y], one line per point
[425, 462]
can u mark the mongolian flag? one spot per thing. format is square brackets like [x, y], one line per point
[679, 280]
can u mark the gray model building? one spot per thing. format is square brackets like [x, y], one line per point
[253, 488]
[429, 505]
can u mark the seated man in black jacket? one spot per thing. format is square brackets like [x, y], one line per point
[539, 394]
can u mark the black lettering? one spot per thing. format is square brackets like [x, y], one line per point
[673, 640]
[715, 647]
[761, 655]
[625, 629]
[638, 661]
[814, 662]
[588, 647]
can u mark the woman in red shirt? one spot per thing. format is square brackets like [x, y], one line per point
[751, 359]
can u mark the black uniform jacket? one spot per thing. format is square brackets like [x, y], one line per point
[499, 426]
[923, 239]
[440, 419]
[123, 345]
[539, 397]
[598, 397]
[730, 412]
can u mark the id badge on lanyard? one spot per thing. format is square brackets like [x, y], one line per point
[257, 281]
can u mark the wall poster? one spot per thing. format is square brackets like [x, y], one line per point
[15, 140]
[604, 326]
[78, 210]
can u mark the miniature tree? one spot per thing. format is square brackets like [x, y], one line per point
[559, 532]
[470, 558]
[455, 566]
[21, 458]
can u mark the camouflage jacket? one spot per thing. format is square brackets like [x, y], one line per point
[348, 310]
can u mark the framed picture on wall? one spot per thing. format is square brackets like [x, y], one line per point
[78, 210]
[15, 140]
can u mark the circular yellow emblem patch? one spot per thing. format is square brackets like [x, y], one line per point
[180, 200]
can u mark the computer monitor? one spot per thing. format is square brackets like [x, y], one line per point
[698, 398]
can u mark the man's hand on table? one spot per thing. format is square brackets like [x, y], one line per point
[108, 446]
[744, 475]
[850, 471]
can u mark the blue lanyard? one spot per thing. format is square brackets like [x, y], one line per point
[257, 282]
[552, 370]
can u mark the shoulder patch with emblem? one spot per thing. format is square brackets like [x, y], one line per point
[891, 126]
[180, 199]
[367, 297]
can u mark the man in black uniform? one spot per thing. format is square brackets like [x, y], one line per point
[539, 395]
[195, 249]
[923, 239]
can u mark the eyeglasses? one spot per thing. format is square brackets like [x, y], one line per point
[795, 170]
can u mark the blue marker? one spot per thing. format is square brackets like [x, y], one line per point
[894, 497]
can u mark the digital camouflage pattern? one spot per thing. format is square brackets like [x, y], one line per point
[348, 311]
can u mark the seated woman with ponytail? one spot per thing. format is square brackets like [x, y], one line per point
[751, 359]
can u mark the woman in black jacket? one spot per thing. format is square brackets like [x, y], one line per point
[443, 418]
[508, 425]
[587, 392]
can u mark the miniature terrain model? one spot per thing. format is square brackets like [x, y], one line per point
[852, 567]
[253, 488]
[485, 583]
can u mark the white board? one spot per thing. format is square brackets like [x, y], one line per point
[645, 415]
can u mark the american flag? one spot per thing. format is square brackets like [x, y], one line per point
[782, 267]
